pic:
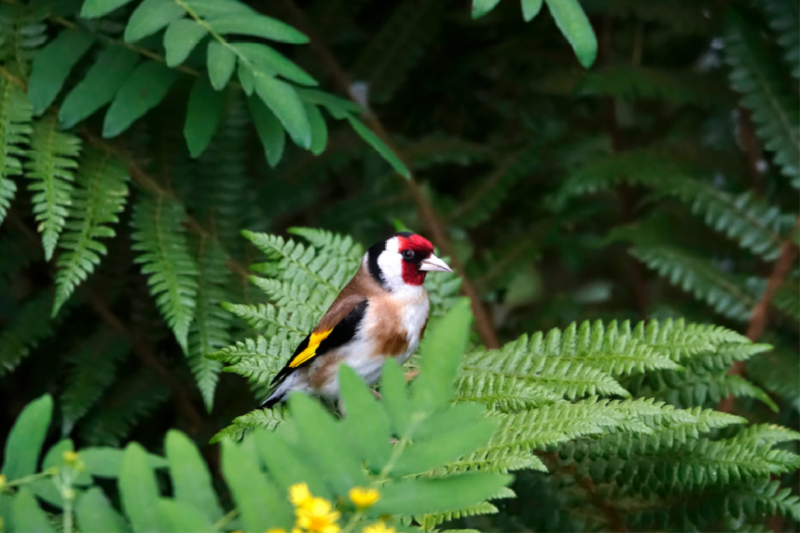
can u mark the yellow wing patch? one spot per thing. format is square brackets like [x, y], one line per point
[311, 349]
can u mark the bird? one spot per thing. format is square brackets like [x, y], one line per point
[381, 313]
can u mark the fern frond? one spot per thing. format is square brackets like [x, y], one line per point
[566, 378]
[301, 264]
[221, 201]
[521, 433]
[332, 243]
[639, 83]
[93, 367]
[493, 190]
[679, 340]
[753, 223]
[660, 464]
[164, 254]
[777, 372]
[577, 362]
[395, 49]
[430, 521]
[698, 387]
[294, 297]
[16, 114]
[775, 112]
[784, 18]
[767, 434]
[260, 418]
[257, 359]
[29, 324]
[267, 319]
[787, 298]
[100, 195]
[636, 167]
[724, 293]
[123, 407]
[210, 329]
[51, 165]
[503, 393]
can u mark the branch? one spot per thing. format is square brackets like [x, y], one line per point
[760, 315]
[424, 207]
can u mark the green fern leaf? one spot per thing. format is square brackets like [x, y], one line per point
[430, 521]
[767, 434]
[260, 418]
[268, 319]
[756, 225]
[775, 112]
[258, 359]
[99, 197]
[679, 340]
[784, 18]
[164, 254]
[211, 326]
[93, 368]
[52, 162]
[503, 393]
[632, 83]
[777, 372]
[30, 324]
[724, 293]
[489, 196]
[16, 114]
[123, 407]
[578, 362]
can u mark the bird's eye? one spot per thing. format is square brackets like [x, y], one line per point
[408, 254]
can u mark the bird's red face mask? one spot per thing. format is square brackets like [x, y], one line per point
[418, 259]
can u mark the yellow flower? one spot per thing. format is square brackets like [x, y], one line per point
[364, 498]
[316, 516]
[69, 456]
[300, 495]
[275, 530]
[378, 527]
[2, 481]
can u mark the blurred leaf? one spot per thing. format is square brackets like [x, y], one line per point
[261, 505]
[575, 26]
[27, 514]
[326, 446]
[52, 65]
[139, 491]
[221, 62]
[367, 425]
[144, 90]
[25, 441]
[202, 116]
[191, 480]
[114, 65]
[95, 514]
[180, 39]
[151, 16]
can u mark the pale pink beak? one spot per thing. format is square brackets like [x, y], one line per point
[434, 264]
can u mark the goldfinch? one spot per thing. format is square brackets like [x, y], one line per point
[380, 313]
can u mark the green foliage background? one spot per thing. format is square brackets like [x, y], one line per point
[617, 175]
